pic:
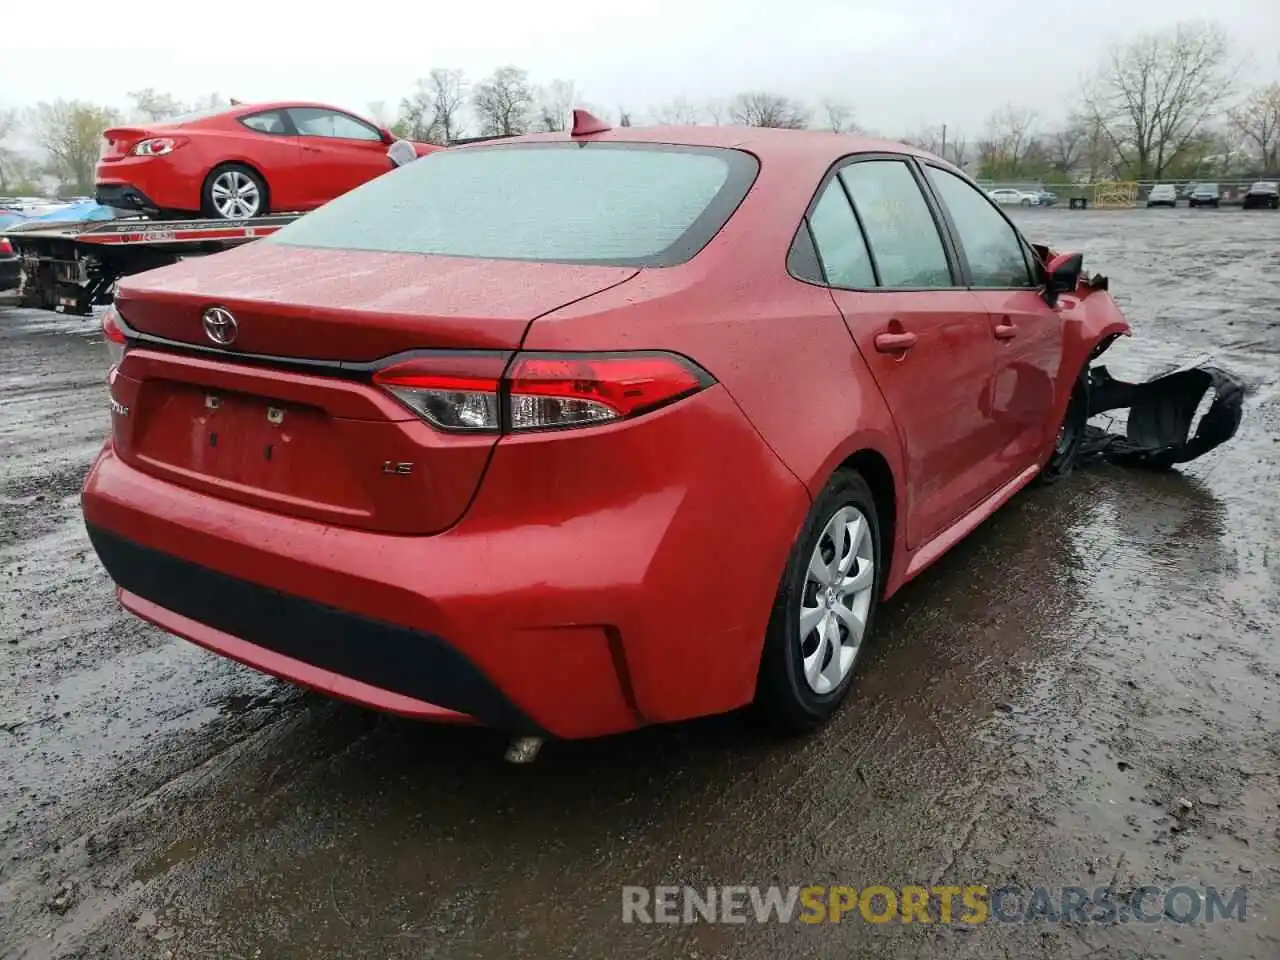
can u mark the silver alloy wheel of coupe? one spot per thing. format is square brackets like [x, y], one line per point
[836, 600]
[235, 196]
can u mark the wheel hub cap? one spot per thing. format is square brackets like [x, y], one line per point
[836, 601]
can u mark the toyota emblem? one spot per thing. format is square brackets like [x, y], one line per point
[220, 325]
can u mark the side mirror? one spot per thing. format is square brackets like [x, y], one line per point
[387, 136]
[1062, 274]
[402, 152]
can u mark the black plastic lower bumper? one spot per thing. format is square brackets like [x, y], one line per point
[123, 197]
[394, 658]
[10, 273]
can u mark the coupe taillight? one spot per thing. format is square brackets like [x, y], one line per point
[113, 336]
[6, 248]
[155, 146]
[483, 392]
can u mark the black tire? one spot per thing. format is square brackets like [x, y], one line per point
[207, 204]
[1066, 451]
[784, 697]
[1026, 203]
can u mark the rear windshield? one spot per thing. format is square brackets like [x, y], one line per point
[603, 203]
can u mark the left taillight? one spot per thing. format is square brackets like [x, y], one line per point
[6, 248]
[494, 392]
[156, 146]
[113, 335]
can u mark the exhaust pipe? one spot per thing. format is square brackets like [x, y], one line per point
[523, 749]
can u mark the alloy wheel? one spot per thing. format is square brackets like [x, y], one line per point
[837, 599]
[235, 196]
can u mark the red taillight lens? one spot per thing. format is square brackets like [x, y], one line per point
[568, 391]
[156, 146]
[450, 391]
[114, 336]
[6, 248]
[539, 391]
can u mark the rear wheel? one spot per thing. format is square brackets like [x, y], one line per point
[234, 192]
[825, 608]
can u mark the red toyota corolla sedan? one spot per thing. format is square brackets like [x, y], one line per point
[246, 161]
[569, 434]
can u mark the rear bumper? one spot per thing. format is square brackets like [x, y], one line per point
[151, 184]
[124, 196]
[598, 583]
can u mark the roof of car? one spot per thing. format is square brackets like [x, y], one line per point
[765, 142]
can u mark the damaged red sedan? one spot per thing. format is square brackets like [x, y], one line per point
[572, 433]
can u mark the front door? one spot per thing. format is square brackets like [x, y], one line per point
[1027, 332]
[926, 340]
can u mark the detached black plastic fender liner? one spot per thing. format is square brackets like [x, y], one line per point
[1161, 411]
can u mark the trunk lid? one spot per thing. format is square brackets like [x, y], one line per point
[118, 141]
[317, 441]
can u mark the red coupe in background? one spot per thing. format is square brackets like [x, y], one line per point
[244, 161]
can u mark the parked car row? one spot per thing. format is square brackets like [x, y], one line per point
[1264, 193]
[1023, 198]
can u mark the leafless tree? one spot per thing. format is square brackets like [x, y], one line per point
[762, 109]
[676, 113]
[417, 112]
[155, 105]
[555, 105]
[1008, 137]
[1156, 95]
[624, 117]
[503, 102]
[839, 116]
[717, 111]
[1065, 146]
[70, 133]
[448, 86]
[1258, 120]
[10, 161]
[932, 139]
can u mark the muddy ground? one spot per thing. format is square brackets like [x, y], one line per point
[1035, 711]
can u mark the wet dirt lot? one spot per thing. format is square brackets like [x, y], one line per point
[1035, 711]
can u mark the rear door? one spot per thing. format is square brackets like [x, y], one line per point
[926, 339]
[340, 151]
[1026, 331]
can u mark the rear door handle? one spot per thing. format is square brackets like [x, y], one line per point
[1005, 331]
[895, 342]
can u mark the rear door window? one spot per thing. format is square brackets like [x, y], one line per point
[900, 229]
[842, 250]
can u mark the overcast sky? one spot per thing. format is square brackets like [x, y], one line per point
[903, 64]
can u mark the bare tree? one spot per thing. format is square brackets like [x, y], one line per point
[624, 117]
[555, 105]
[503, 102]
[676, 113]
[1258, 120]
[717, 111]
[1007, 140]
[70, 133]
[448, 86]
[762, 109]
[417, 112]
[155, 105]
[11, 166]
[378, 111]
[932, 139]
[1065, 146]
[1155, 96]
[839, 116]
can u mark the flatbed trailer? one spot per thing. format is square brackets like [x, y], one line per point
[72, 267]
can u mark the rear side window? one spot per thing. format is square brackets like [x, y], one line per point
[841, 248]
[621, 204]
[270, 122]
[900, 227]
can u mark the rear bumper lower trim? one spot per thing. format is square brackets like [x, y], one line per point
[383, 665]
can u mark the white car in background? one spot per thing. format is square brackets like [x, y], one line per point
[1163, 195]
[1007, 195]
